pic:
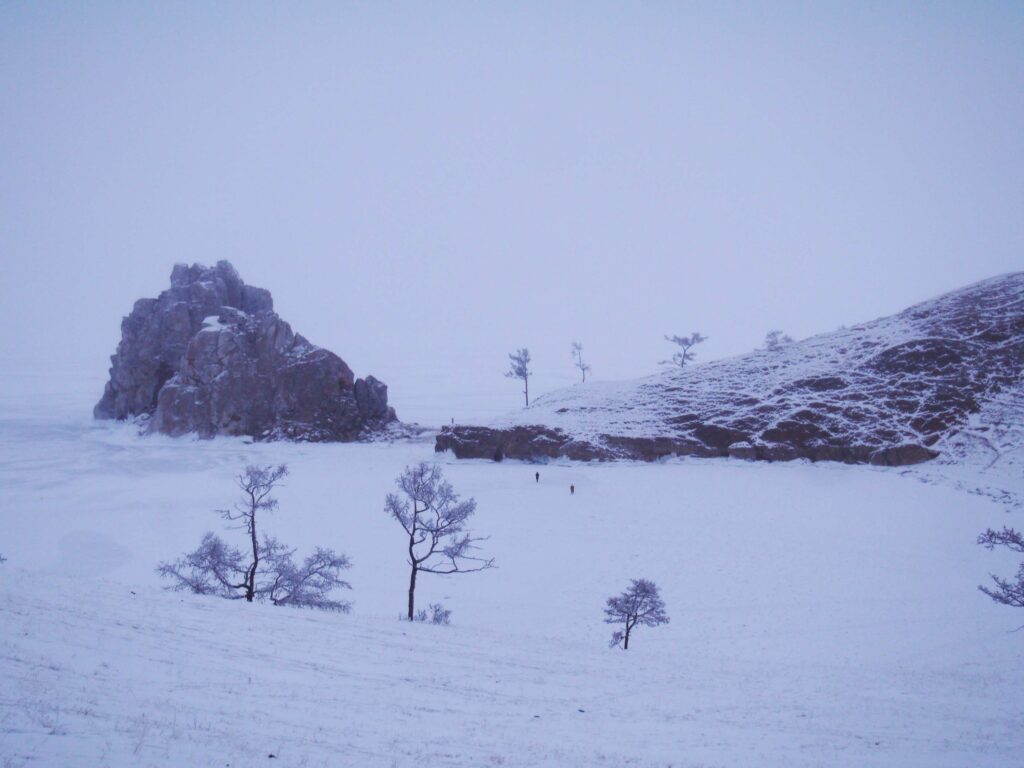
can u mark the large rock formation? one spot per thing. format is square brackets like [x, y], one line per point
[211, 356]
[890, 392]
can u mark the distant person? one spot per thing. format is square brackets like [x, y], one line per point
[572, 490]
[536, 476]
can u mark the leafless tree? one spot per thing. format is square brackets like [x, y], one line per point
[685, 344]
[577, 356]
[776, 340]
[214, 568]
[639, 605]
[308, 585]
[1006, 592]
[434, 519]
[266, 571]
[519, 368]
[256, 483]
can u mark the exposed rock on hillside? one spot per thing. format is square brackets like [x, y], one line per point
[885, 392]
[211, 356]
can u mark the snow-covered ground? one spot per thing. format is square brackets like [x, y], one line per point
[821, 614]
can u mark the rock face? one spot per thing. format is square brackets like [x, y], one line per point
[211, 356]
[890, 392]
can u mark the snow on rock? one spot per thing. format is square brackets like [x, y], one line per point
[986, 455]
[894, 391]
[213, 323]
[210, 356]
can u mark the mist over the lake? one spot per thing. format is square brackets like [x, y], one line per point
[426, 188]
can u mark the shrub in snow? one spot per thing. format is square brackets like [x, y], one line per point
[1006, 592]
[685, 344]
[438, 615]
[265, 570]
[776, 340]
[434, 519]
[639, 605]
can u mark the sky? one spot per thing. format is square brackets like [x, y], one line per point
[426, 187]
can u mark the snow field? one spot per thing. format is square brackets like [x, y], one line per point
[821, 615]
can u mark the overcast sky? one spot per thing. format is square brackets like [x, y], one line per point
[424, 187]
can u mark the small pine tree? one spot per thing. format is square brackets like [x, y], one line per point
[577, 357]
[686, 344]
[519, 368]
[434, 518]
[639, 605]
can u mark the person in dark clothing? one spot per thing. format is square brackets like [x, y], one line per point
[536, 476]
[572, 490]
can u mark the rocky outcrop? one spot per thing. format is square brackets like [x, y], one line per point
[890, 392]
[520, 442]
[210, 356]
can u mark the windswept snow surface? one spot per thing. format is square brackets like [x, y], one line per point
[822, 614]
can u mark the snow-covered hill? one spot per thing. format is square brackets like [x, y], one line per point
[822, 614]
[893, 391]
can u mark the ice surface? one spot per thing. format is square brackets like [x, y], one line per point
[821, 614]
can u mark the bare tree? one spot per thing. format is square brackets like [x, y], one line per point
[519, 368]
[1006, 592]
[577, 356]
[685, 353]
[213, 568]
[639, 605]
[266, 570]
[256, 483]
[308, 585]
[434, 519]
[776, 340]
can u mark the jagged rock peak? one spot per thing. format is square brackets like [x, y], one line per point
[209, 355]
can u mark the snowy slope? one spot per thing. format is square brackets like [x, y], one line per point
[822, 614]
[97, 675]
[887, 392]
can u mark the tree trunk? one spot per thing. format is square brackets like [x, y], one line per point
[412, 592]
[250, 585]
[526, 390]
[250, 582]
[625, 645]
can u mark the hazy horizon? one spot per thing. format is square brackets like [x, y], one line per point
[425, 190]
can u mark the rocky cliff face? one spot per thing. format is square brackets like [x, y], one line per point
[894, 391]
[210, 356]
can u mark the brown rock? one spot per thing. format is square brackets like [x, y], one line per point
[901, 455]
[210, 356]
